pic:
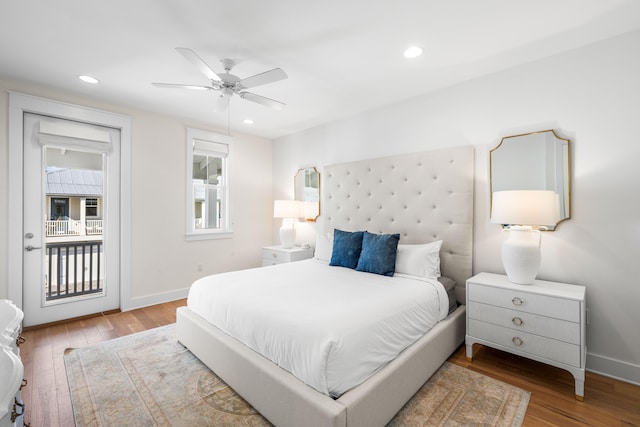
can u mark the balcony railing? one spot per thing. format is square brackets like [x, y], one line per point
[93, 227]
[72, 227]
[73, 269]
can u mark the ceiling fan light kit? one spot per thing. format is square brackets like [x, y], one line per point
[228, 84]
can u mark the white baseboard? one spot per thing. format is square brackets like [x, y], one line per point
[154, 299]
[623, 371]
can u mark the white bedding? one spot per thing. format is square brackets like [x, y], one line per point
[332, 327]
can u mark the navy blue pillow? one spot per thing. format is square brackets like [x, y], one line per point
[378, 253]
[346, 248]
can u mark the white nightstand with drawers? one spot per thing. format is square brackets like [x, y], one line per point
[272, 255]
[545, 321]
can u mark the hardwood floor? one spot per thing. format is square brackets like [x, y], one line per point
[607, 402]
[47, 392]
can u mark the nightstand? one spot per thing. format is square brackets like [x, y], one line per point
[545, 321]
[272, 255]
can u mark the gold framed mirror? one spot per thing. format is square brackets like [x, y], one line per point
[534, 161]
[306, 185]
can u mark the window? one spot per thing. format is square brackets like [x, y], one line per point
[59, 209]
[91, 207]
[208, 210]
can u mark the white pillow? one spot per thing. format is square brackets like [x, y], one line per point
[419, 260]
[324, 247]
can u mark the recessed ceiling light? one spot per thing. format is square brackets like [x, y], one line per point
[89, 79]
[413, 52]
[247, 121]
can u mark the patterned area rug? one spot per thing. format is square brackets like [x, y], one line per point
[150, 379]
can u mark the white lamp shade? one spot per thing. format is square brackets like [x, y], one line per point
[287, 209]
[525, 207]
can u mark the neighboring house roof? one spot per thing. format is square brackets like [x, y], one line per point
[74, 182]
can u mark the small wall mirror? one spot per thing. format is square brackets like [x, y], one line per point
[307, 189]
[533, 161]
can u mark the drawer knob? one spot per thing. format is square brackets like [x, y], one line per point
[275, 255]
[517, 341]
[517, 301]
[517, 321]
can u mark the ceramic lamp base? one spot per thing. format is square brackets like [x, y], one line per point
[521, 254]
[287, 234]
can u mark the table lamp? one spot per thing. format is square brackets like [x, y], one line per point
[520, 211]
[289, 211]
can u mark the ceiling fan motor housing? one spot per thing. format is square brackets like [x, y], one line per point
[227, 64]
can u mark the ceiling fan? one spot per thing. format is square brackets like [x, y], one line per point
[228, 84]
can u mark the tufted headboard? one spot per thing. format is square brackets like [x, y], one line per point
[423, 196]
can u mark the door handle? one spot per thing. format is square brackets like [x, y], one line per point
[29, 248]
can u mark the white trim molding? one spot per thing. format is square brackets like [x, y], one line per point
[613, 368]
[214, 145]
[18, 105]
[154, 299]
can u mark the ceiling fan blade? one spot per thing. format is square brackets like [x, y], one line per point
[263, 100]
[264, 78]
[192, 57]
[179, 86]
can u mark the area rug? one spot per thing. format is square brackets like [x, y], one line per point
[150, 379]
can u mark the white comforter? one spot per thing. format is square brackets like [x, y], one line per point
[332, 327]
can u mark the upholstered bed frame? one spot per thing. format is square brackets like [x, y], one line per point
[423, 196]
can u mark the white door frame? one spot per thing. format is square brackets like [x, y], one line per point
[19, 104]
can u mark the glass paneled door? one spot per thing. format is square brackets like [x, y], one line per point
[71, 220]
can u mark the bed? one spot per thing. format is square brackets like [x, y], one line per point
[424, 197]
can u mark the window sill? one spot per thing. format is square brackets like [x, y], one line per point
[214, 235]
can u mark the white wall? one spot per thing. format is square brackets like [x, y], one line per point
[590, 95]
[163, 263]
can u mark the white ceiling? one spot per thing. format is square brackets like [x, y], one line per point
[342, 56]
